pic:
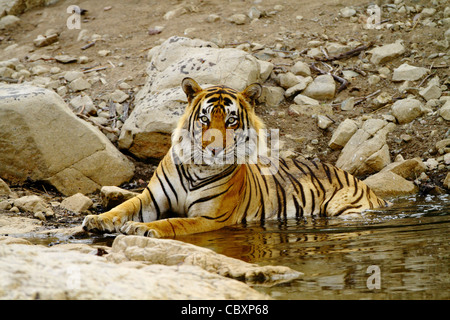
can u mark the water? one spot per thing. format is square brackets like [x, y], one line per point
[402, 252]
[399, 253]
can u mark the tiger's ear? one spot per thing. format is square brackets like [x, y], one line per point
[252, 92]
[190, 87]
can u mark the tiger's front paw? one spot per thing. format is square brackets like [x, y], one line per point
[139, 229]
[98, 224]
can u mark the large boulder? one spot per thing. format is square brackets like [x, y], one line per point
[161, 102]
[38, 272]
[367, 152]
[42, 140]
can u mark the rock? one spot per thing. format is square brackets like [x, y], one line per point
[37, 272]
[113, 196]
[79, 84]
[444, 111]
[18, 225]
[348, 104]
[408, 169]
[335, 48]
[389, 184]
[288, 80]
[431, 164]
[173, 252]
[39, 69]
[310, 110]
[322, 88]
[342, 134]
[406, 110]
[387, 52]
[42, 41]
[33, 204]
[4, 189]
[161, 102]
[77, 203]
[8, 21]
[104, 53]
[324, 122]
[431, 92]
[238, 18]
[366, 152]
[446, 181]
[83, 103]
[42, 140]
[119, 96]
[347, 12]
[64, 58]
[73, 75]
[301, 68]
[304, 82]
[301, 99]
[272, 96]
[6, 240]
[406, 72]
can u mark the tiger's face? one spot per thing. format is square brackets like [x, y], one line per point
[219, 125]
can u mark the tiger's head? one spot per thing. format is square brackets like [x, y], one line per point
[219, 125]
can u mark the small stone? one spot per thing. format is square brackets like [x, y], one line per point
[73, 75]
[254, 13]
[84, 104]
[447, 181]
[8, 21]
[77, 203]
[288, 80]
[324, 122]
[40, 216]
[104, 53]
[212, 18]
[387, 52]
[238, 19]
[301, 68]
[79, 84]
[119, 96]
[83, 59]
[444, 111]
[342, 134]
[408, 72]
[347, 12]
[272, 96]
[39, 69]
[431, 92]
[406, 110]
[42, 41]
[64, 58]
[348, 104]
[4, 189]
[113, 196]
[322, 88]
[33, 204]
[301, 99]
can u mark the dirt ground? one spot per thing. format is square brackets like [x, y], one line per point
[288, 26]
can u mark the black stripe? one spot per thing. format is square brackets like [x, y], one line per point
[327, 172]
[346, 174]
[325, 204]
[313, 205]
[349, 206]
[359, 198]
[170, 184]
[214, 218]
[141, 218]
[164, 189]
[158, 212]
[297, 207]
[356, 186]
[336, 173]
[207, 198]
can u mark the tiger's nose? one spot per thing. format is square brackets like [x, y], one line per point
[215, 150]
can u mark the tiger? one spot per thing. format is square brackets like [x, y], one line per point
[191, 191]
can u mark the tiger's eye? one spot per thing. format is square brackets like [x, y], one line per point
[231, 121]
[204, 119]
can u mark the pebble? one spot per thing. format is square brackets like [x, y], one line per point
[409, 73]
[347, 12]
[323, 87]
[42, 41]
[79, 84]
[104, 53]
[238, 18]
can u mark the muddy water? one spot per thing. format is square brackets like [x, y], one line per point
[399, 253]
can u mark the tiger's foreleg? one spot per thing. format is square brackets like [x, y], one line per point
[146, 207]
[171, 227]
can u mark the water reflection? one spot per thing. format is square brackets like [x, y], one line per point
[408, 243]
